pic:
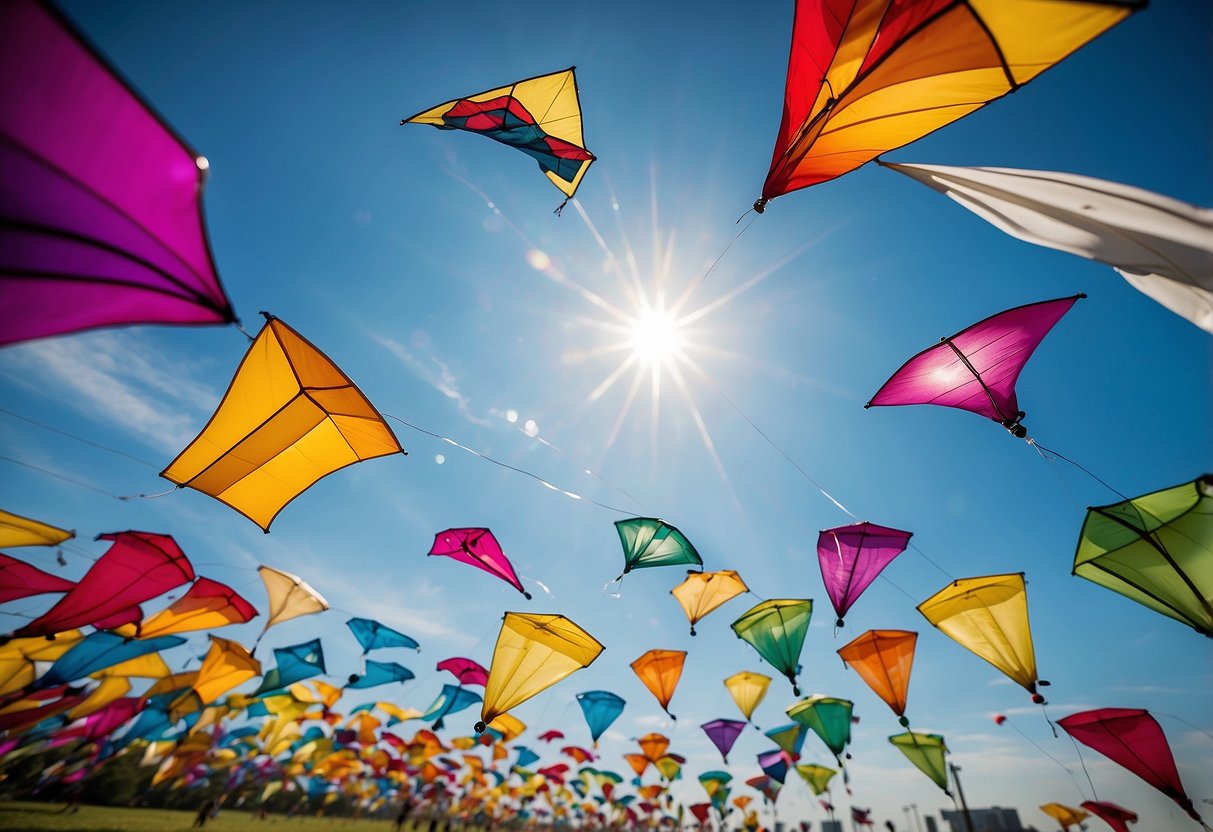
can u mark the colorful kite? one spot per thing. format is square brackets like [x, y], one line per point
[829, 718]
[650, 542]
[989, 617]
[20, 580]
[1117, 817]
[660, 671]
[818, 777]
[748, 690]
[206, 605]
[290, 597]
[289, 418]
[97, 651]
[136, 568]
[1162, 246]
[600, 708]
[477, 547]
[1131, 737]
[16, 530]
[883, 659]
[790, 738]
[533, 652]
[723, 733]
[1067, 816]
[86, 244]
[852, 556]
[540, 116]
[372, 635]
[703, 592]
[928, 753]
[867, 76]
[293, 664]
[379, 673]
[1156, 550]
[451, 700]
[976, 369]
[469, 672]
[776, 629]
[226, 666]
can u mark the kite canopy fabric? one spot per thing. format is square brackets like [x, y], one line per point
[1117, 817]
[451, 700]
[469, 672]
[818, 777]
[137, 567]
[380, 673]
[1163, 247]
[100, 650]
[1067, 816]
[851, 557]
[776, 629]
[748, 690]
[927, 752]
[479, 548]
[867, 76]
[16, 530]
[290, 596]
[540, 116]
[20, 580]
[703, 592]
[723, 733]
[207, 604]
[1156, 549]
[829, 717]
[293, 664]
[375, 636]
[883, 659]
[534, 651]
[660, 671]
[100, 202]
[648, 541]
[976, 369]
[289, 418]
[989, 616]
[600, 708]
[1132, 738]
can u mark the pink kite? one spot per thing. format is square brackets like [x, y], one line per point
[1117, 817]
[477, 547]
[551, 736]
[101, 201]
[138, 567]
[852, 556]
[976, 369]
[1132, 738]
[467, 672]
[20, 580]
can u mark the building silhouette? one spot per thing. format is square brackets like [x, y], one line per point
[994, 819]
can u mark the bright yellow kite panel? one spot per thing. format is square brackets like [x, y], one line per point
[16, 530]
[289, 418]
[703, 592]
[748, 690]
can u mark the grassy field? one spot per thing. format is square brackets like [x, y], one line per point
[37, 817]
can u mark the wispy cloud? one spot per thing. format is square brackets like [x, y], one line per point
[434, 372]
[118, 378]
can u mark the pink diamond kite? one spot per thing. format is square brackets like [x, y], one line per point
[477, 547]
[852, 556]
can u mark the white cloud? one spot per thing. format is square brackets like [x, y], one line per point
[434, 372]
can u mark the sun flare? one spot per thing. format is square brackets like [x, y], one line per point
[655, 338]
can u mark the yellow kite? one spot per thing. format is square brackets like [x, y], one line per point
[290, 597]
[227, 664]
[16, 530]
[534, 652]
[289, 418]
[703, 592]
[748, 690]
[989, 616]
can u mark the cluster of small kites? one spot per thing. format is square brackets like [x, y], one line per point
[87, 245]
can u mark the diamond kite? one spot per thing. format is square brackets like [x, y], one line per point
[703, 592]
[867, 76]
[748, 690]
[289, 418]
[852, 556]
[16, 530]
[479, 548]
[89, 244]
[651, 542]
[883, 659]
[660, 671]
[928, 753]
[976, 369]
[600, 708]
[776, 629]
[1155, 549]
[540, 116]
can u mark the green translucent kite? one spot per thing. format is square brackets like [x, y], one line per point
[650, 542]
[1156, 549]
[818, 777]
[927, 751]
[776, 629]
[829, 718]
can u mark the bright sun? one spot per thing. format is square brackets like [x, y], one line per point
[655, 338]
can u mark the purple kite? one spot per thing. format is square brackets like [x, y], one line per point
[138, 567]
[477, 547]
[1117, 817]
[467, 672]
[20, 580]
[1132, 738]
[852, 556]
[100, 202]
[976, 369]
[723, 733]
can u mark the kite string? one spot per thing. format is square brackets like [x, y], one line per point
[1078, 751]
[59, 476]
[81, 439]
[1064, 767]
[720, 256]
[571, 495]
[1043, 451]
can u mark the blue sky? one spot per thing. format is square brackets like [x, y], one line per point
[410, 255]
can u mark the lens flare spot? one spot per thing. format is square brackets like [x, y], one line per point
[538, 260]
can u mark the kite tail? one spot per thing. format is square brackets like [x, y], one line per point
[606, 588]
